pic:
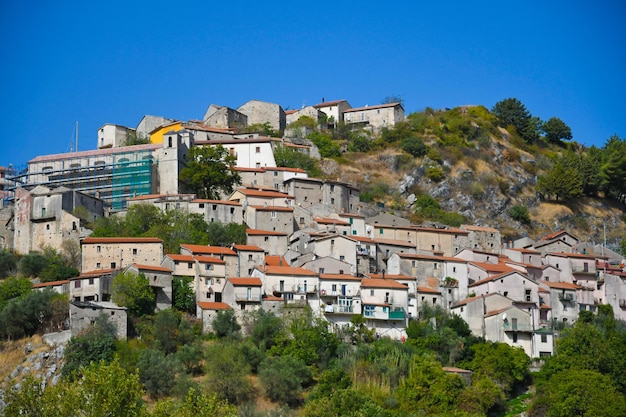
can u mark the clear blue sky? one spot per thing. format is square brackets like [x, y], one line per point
[100, 62]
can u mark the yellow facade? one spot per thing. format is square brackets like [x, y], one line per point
[156, 136]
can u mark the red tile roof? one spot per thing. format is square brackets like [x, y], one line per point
[428, 290]
[257, 232]
[151, 268]
[328, 220]
[245, 282]
[249, 248]
[51, 283]
[382, 283]
[209, 260]
[253, 192]
[205, 249]
[561, 285]
[340, 277]
[272, 208]
[286, 270]
[206, 305]
[329, 103]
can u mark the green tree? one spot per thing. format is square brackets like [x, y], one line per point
[556, 130]
[264, 129]
[511, 112]
[613, 169]
[8, 263]
[13, 287]
[225, 324]
[327, 147]
[134, 138]
[226, 370]
[290, 158]
[266, 330]
[283, 378]
[24, 315]
[561, 182]
[414, 146]
[184, 298]
[171, 330]
[579, 392]
[140, 218]
[32, 264]
[210, 171]
[94, 344]
[345, 402]
[505, 365]
[133, 291]
[157, 372]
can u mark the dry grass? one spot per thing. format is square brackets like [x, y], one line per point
[12, 353]
[546, 212]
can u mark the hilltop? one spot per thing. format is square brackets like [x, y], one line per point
[472, 167]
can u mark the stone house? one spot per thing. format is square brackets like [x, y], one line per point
[251, 152]
[92, 286]
[524, 256]
[46, 217]
[259, 197]
[296, 286]
[481, 270]
[226, 254]
[384, 306]
[113, 136]
[563, 298]
[149, 123]
[308, 111]
[243, 293]
[85, 313]
[573, 266]
[160, 279]
[276, 176]
[375, 118]
[252, 177]
[339, 298]
[260, 112]
[60, 287]
[266, 217]
[333, 110]
[483, 238]
[248, 257]
[224, 117]
[324, 265]
[338, 196]
[513, 284]
[273, 242]
[560, 241]
[206, 311]
[120, 252]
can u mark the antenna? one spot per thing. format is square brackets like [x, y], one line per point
[76, 149]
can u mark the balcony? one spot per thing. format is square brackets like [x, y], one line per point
[243, 298]
[580, 270]
[516, 327]
[567, 297]
[396, 313]
[338, 309]
[295, 289]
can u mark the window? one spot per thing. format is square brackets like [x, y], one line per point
[91, 280]
[214, 207]
[380, 231]
[372, 293]
[514, 337]
[250, 257]
[201, 205]
[434, 300]
[134, 251]
[232, 210]
[77, 283]
[435, 265]
[334, 287]
[113, 265]
[544, 338]
[332, 201]
[98, 248]
[321, 270]
[454, 269]
[275, 173]
[98, 266]
[342, 258]
[47, 227]
[189, 265]
[208, 267]
[527, 295]
[258, 165]
[258, 149]
[273, 215]
[369, 311]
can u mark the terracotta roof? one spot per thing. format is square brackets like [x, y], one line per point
[574, 255]
[180, 258]
[479, 228]
[355, 215]
[495, 277]
[275, 260]
[379, 106]
[489, 267]
[286, 270]
[556, 234]
[159, 196]
[206, 305]
[209, 260]
[447, 231]
[522, 250]
[382, 283]
[249, 248]
[95, 272]
[545, 307]
[428, 290]
[328, 220]
[561, 285]
[470, 299]
[246, 169]
[253, 192]
[390, 276]
[152, 268]
[92, 240]
[495, 312]
[543, 290]
[340, 277]
[222, 202]
[212, 250]
[287, 169]
[394, 242]
[51, 283]
[245, 282]
[329, 103]
[271, 297]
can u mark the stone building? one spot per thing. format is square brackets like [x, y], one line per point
[260, 112]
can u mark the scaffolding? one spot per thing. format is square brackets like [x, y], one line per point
[111, 177]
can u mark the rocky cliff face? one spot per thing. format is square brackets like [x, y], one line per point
[483, 185]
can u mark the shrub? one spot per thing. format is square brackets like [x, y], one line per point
[520, 214]
[414, 146]
[434, 173]
[283, 377]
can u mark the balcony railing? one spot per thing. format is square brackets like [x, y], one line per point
[251, 299]
[583, 270]
[566, 296]
[295, 289]
[516, 327]
[396, 313]
[337, 309]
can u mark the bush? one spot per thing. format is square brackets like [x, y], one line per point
[520, 214]
[282, 378]
[157, 372]
[414, 146]
[434, 173]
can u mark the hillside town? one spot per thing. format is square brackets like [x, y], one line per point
[309, 241]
